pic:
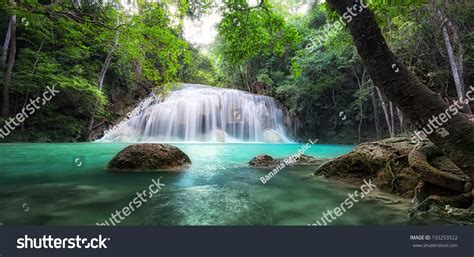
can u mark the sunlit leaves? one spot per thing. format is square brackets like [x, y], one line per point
[152, 42]
[249, 31]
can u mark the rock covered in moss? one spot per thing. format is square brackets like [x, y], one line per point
[267, 161]
[263, 161]
[150, 158]
[384, 161]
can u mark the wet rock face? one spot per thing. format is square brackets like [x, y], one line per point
[150, 158]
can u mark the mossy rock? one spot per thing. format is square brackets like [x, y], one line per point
[150, 158]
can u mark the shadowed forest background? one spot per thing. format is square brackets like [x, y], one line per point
[104, 59]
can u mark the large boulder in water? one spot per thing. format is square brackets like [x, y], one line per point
[149, 157]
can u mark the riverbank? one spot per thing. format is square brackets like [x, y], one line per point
[411, 170]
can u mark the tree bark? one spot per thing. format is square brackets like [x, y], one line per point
[405, 90]
[10, 64]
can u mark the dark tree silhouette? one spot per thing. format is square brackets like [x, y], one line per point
[404, 89]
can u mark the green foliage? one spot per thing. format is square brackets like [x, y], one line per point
[201, 70]
[248, 31]
[66, 46]
[151, 41]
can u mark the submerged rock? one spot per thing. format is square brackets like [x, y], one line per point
[149, 157]
[263, 161]
[308, 160]
[266, 161]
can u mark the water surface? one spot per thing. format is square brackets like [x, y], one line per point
[67, 184]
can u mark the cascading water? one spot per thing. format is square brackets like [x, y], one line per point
[198, 113]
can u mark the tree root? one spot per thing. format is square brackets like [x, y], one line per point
[394, 176]
[423, 200]
[418, 161]
[459, 201]
[450, 179]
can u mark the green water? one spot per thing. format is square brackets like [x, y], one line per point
[67, 184]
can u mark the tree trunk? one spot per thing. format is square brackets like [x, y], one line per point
[10, 64]
[334, 99]
[360, 83]
[6, 44]
[106, 65]
[102, 74]
[455, 61]
[401, 119]
[405, 90]
[385, 112]
[392, 119]
[376, 113]
[31, 80]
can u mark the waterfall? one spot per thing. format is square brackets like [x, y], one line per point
[198, 113]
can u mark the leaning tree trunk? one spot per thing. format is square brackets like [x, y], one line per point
[100, 83]
[405, 90]
[10, 64]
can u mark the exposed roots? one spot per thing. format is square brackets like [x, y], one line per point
[458, 201]
[453, 180]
